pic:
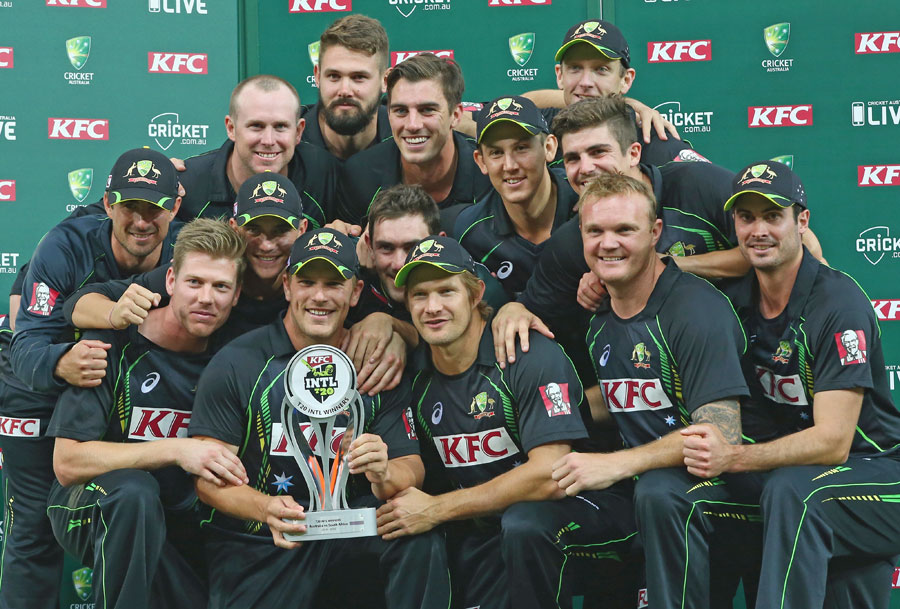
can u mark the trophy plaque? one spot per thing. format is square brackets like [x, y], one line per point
[320, 383]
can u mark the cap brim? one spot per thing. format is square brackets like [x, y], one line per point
[609, 53]
[262, 212]
[531, 129]
[403, 273]
[141, 194]
[344, 271]
[776, 199]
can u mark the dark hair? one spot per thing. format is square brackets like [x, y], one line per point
[264, 82]
[404, 200]
[428, 66]
[609, 111]
[357, 33]
[611, 184]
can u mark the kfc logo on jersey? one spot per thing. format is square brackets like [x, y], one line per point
[320, 6]
[409, 423]
[20, 428]
[878, 175]
[887, 310]
[78, 3]
[7, 190]
[633, 395]
[878, 42]
[77, 129]
[401, 56]
[464, 450]
[520, 2]
[780, 116]
[176, 63]
[6, 57]
[679, 50]
[851, 346]
[643, 600]
[556, 398]
[278, 446]
[158, 423]
[782, 389]
[43, 297]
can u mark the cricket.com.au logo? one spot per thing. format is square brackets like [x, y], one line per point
[78, 50]
[408, 7]
[168, 128]
[521, 48]
[876, 242]
[687, 122]
[80, 182]
[777, 37]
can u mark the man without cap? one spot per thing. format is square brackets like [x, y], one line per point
[353, 62]
[424, 105]
[819, 415]
[238, 406]
[497, 433]
[124, 502]
[138, 234]
[506, 230]
[666, 350]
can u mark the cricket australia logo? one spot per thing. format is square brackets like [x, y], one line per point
[313, 50]
[78, 49]
[680, 249]
[641, 356]
[320, 380]
[777, 37]
[269, 188]
[482, 406]
[80, 181]
[783, 352]
[139, 171]
[521, 46]
[758, 173]
[502, 106]
[590, 29]
[82, 579]
[427, 249]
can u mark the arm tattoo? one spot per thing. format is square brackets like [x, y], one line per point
[724, 414]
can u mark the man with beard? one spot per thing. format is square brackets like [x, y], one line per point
[353, 61]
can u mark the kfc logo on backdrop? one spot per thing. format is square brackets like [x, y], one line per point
[878, 42]
[43, 297]
[520, 2]
[851, 346]
[158, 423]
[896, 578]
[780, 116]
[7, 190]
[632, 395]
[78, 3]
[6, 57]
[680, 50]
[320, 6]
[887, 310]
[77, 128]
[176, 63]
[878, 175]
[464, 450]
[20, 428]
[401, 56]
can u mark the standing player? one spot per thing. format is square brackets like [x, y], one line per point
[124, 503]
[237, 406]
[819, 414]
[353, 62]
[424, 94]
[507, 229]
[497, 433]
[666, 349]
[140, 201]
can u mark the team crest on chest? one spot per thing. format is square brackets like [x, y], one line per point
[641, 356]
[482, 406]
[783, 352]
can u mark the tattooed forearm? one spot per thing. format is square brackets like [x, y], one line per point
[724, 414]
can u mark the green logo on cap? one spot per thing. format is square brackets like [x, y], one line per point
[787, 159]
[590, 26]
[504, 103]
[777, 37]
[758, 170]
[521, 46]
[80, 181]
[82, 579]
[144, 167]
[313, 49]
[426, 245]
[325, 238]
[78, 50]
[269, 187]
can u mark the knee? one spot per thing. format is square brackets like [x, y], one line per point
[130, 490]
[662, 489]
[523, 524]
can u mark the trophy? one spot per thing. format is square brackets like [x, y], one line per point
[320, 383]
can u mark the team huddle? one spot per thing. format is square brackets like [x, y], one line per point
[594, 365]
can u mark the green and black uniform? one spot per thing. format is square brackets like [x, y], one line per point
[312, 134]
[139, 530]
[239, 403]
[482, 423]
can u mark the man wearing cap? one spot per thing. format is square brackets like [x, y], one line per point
[238, 406]
[496, 434]
[507, 229]
[820, 421]
[424, 94]
[124, 501]
[141, 201]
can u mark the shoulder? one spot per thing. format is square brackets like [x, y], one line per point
[693, 300]
[694, 173]
[835, 292]
[315, 159]
[72, 233]
[469, 215]
[464, 142]
[374, 158]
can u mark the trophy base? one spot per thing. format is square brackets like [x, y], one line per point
[336, 524]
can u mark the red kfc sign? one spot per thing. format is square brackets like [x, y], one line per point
[176, 63]
[878, 42]
[679, 50]
[78, 3]
[6, 57]
[319, 6]
[7, 190]
[780, 116]
[878, 175]
[400, 56]
[520, 2]
[77, 128]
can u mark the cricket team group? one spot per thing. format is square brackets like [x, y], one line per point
[597, 370]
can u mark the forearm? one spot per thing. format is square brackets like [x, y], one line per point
[807, 447]
[402, 473]
[715, 265]
[77, 462]
[242, 502]
[92, 311]
[33, 357]
[664, 452]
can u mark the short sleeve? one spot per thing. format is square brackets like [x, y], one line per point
[219, 409]
[842, 343]
[393, 420]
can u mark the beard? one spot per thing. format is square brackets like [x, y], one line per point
[348, 123]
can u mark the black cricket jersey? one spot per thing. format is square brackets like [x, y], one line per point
[484, 421]
[368, 172]
[239, 402]
[146, 395]
[5, 338]
[827, 338]
[74, 253]
[690, 199]
[680, 352]
[312, 134]
[487, 233]
[209, 194]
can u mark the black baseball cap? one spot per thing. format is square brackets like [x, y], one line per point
[325, 244]
[268, 194]
[602, 35]
[444, 253]
[515, 109]
[143, 174]
[771, 179]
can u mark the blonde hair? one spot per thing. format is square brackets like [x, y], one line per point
[611, 184]
[214, 238]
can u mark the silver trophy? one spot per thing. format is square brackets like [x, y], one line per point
[320, 382]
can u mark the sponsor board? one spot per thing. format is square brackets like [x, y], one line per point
[177, 7]
[878, 175]
[520, 2]
[687, 122]
[168, 128]
[78, 50]
[7, 56]
[877, 42]
[875, 113]
[780, 116]
[400, 56]
[319, 6]
[875, 242]
[776, 37]
[7, 190]
[521, 48]
[7, 128]
[9, 262]
[408, 7]
[78, 3]
[176, 63]
[887, 310]
[896, 583]
[77, 129]
[80, 181]
[893, 372]
[679, 50]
